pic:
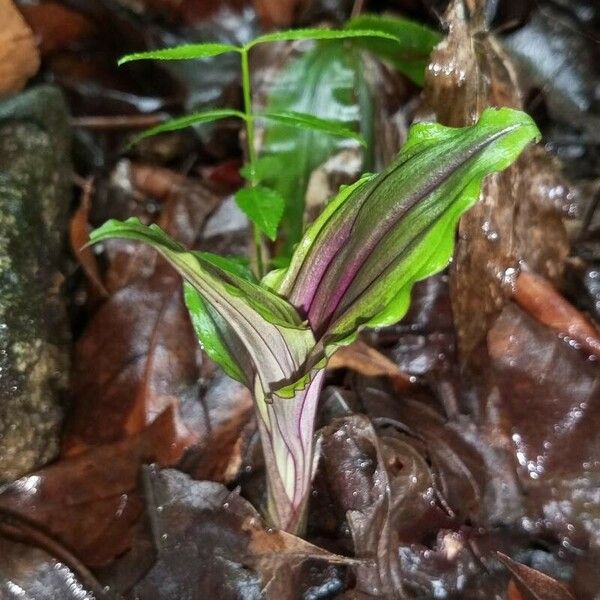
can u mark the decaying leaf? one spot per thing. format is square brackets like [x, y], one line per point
[550, 391]
[211, 543]
[79, 236]
[513, 221]
[459, 475]
[30, 572]
[384, 487]
[19, 57]
[366, 360]
[91, 501]
[139, 353]
[542, 301]
[534, 585]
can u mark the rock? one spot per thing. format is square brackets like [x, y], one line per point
[35, 195]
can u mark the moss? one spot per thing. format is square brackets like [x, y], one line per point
[35, 175]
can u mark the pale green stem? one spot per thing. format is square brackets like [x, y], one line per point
[249, 120]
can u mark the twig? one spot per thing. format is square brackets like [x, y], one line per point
[357, 8]
[118, 122]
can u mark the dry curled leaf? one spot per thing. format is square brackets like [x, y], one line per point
[79, 236]
[366, 360]
[514, 222]
[19, 57]
[543, 302]
[533, 585]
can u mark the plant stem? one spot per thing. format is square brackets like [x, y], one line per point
[247, 91]
[286, 429]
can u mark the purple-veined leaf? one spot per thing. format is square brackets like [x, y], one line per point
[274, 339]
[286, 429]
[356, 264]
[354, 267]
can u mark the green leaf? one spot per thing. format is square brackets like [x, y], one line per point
[409, 54]
[264, 168]
[307, 121]
[319, 34]
[197, 118]
[325, 81]
[356, 265]
[264, 207]
[211, 331]
[185, 52]
[260, 335]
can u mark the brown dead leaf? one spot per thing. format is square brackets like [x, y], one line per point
[79, 236]
[90, 502]
[514, 222]
[550, 392]
[366, 360]
[56, 27]
[542, 301]
[277, 13]
[28, 571]
[19, 57]
[159, 182]
[512, 592]
[533, 585]
[227, 435]
[137, 356]
[139, 353]
[211, 543]
[384, 487]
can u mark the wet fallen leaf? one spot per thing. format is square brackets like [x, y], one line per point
[56, 26]
[459, 474]
[550, 392]
[366, 360]
[228, 433]
[79, 235]
[19, 58]
[542, 301]
[29, 572]
[565, 73]
[211, 543]
[137, 356]
[534, 585]
[90, 502]
[385, 490]
[139, 353]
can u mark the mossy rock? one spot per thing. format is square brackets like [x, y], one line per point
[35, 193]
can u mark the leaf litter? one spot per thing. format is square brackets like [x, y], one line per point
[468, 463]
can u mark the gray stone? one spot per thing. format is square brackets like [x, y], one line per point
[35, 183]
